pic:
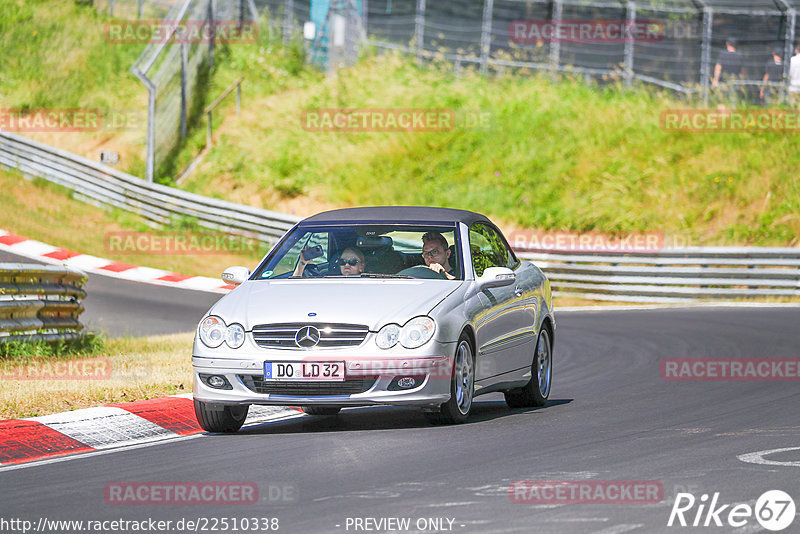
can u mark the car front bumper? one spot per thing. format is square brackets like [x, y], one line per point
[369, 380]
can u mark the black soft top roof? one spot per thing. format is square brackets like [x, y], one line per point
[398, 214]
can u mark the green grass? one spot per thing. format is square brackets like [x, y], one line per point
[85, 345]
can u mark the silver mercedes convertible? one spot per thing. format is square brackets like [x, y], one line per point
[407, 306]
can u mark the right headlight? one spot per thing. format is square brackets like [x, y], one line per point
[212, 331]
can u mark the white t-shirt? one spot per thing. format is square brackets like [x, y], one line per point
[794, 74]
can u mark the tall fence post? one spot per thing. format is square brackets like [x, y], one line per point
[630, 10]
[705, 54]
[486, 35]
[212, 24]
[287, 21]
[365, 15]
[184, 99]
[140, 10]
[111, 8]
[555, 44]
[151, 124]
[791, 31]
[419, 29]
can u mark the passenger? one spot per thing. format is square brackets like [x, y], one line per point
[351, 263]
[436, 254]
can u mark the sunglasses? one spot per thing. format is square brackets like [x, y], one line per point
[351, 263]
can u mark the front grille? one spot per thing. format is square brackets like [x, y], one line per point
[331, 335]
[257, 384]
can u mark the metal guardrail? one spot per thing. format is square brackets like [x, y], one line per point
[672, 275]
[108, 187]
[40, 302]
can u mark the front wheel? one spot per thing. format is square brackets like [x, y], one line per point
[538, 389]
[462, 387]
[228, 420]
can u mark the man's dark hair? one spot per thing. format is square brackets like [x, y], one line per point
[435, 236]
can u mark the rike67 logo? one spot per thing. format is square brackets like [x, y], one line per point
[774, 510]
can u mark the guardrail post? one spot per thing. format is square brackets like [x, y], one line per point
[238, 98]
[629, 43]
[555, 44]
[705, 54]
[419, 29]
[486, 35]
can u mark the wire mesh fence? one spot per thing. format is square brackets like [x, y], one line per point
[176, 65]
[676, 44]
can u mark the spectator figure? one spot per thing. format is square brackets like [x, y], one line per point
[773, 72]
[729, 63]
[794, 75]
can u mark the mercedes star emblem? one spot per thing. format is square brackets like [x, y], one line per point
[307, 337]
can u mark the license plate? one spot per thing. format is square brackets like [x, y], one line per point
[304, 371]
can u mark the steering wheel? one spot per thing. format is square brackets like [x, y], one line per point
[312, 270]
[422, 271]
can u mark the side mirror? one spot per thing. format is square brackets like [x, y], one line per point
[496, 277]
[235, 275]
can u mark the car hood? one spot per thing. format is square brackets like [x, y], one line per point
[360, 301]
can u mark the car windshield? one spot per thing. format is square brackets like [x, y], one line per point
[366, 251]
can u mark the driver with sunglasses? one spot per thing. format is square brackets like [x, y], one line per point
[351, 263]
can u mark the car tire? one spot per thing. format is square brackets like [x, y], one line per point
[462, 387]
[228, 420]
[322, 410]
[538, 389]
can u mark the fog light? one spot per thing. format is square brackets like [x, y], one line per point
[216, 381]
[405, 382]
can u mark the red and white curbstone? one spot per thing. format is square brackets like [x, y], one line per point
[36, 250]
[112, 426]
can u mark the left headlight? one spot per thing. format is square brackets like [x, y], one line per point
[213, 332]
[413, 334]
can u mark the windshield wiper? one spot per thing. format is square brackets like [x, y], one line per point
[379, 275]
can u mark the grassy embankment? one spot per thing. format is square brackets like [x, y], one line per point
[556, 156]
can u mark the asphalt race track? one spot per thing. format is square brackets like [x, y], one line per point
[120, 307]
[611, 417]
